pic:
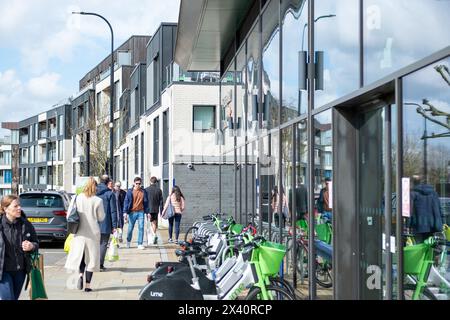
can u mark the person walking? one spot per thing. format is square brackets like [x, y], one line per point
[120, 199]
[275, 206]
[109, 225]
[155, 201]
[323, 203]
[17, 240]
[134, 208]
[177, 201]
[84, 254]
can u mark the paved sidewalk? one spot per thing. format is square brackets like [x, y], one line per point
[121, 281]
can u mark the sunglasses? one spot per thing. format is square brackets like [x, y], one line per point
[137, 183]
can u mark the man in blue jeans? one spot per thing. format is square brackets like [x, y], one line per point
[134, 208]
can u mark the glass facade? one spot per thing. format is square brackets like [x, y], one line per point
[295, 155]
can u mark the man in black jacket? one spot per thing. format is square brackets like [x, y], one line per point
[120, 200]
[109, 225]
[155, 199]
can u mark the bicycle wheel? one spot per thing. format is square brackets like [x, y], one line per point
[276, 292]
[408, 292]
[282, 283]
[190, 234]
[302, 261]
[323, 275]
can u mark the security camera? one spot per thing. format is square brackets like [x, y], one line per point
[190, 166]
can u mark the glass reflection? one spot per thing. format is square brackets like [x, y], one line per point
[390, 45]
[295, 40]
[252, 76]
[271, 68]
[336, 36]
[426, 167]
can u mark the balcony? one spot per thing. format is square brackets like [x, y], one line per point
[52, 132]
[175, 74]
[42, 134]
[42, 180]
[24, 139]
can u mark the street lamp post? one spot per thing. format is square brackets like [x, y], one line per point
[111, 111]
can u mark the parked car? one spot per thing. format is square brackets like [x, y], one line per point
[46, 210]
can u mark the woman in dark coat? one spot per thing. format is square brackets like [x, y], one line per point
[17, 240]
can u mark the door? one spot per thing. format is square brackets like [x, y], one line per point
[362, 258]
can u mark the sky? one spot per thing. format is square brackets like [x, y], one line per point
[45, 50]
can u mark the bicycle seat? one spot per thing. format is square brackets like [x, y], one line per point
[184, 253]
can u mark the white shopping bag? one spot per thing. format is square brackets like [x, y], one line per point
[113, 250]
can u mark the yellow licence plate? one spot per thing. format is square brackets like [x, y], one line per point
[41, 220]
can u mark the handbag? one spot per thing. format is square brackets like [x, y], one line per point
[170, 210]
[73, 219]
[37, 282]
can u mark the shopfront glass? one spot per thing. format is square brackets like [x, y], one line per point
[227, 105]
[228, 194]
[265, 180]
[253, 69]
[336, 45]
[241, 96]
[252, 178]
[398, 33]
[323, 174]
[426, 177]
[294, 15]
[271, 65]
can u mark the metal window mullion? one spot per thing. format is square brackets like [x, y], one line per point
[361, 43]
[280, 155]
[294, 205]
[388, 200]
[399, 219]
[246, 138]
[312, 251]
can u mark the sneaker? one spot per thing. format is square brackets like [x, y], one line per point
[170, 240]
[176, 241]
[128, 245]
[141, 247]
[155, 240]
[102, 268]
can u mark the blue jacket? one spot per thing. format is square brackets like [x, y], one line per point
[129, 201]
[426, 212]
[109, 204]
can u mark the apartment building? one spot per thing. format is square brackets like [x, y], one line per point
[10, 157]
[91, 108]
[6, 166]
[45, 152]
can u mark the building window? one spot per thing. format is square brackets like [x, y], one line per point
[156, 141]
[116, 96]
[204, 118]
[165, 137]
[136, 155]
[142, 155]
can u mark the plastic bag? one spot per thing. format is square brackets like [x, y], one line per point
[68, 243]
[36, 279]
[113, 250]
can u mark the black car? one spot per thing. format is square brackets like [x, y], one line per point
[46, 210]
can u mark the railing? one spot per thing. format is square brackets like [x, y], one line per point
[42, 180]
[42, 134]
[53, 132]
[24, 139]
[175, 74]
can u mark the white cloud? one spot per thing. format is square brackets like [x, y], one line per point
[45, 86]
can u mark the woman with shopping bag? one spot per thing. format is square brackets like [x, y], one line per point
[17, 241]
[84, 254]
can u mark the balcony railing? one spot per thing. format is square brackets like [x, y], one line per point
[175, 74]
[42, 134]
[42, 180]
[24, 139]
[52, 132]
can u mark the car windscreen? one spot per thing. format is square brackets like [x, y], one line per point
[41, 200]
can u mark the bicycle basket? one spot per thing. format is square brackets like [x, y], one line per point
[302, 224]
[323, 231]
[270, 257]
[414, 258]
[236, 228]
